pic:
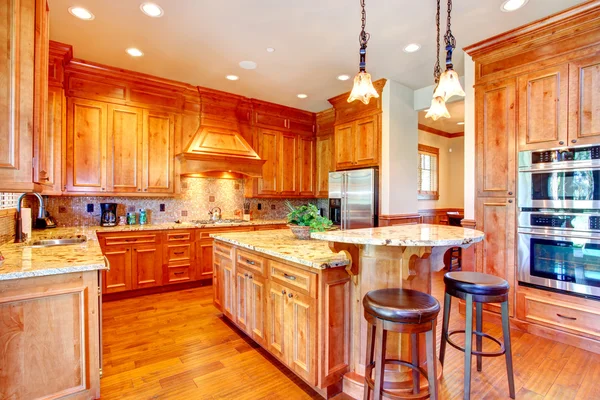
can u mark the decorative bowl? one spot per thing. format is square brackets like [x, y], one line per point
[301, 232]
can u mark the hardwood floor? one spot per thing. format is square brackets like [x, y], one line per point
[175, 346]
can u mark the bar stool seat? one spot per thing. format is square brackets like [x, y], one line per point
[476, 283]
[402, 311]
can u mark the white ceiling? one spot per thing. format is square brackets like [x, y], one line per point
[449, 125]
[200, 41]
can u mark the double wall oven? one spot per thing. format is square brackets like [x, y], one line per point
[559, 219]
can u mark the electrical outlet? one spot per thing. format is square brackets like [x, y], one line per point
[211, 199]
[131, 209]
[162, 207]
[184, 185]
[273, 206]
[90, 208]
[62, 209]
[184, 213]
[259, 206]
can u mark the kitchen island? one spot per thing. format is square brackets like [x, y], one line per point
[401, 256]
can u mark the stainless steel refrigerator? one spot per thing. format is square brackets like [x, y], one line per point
[354, 198]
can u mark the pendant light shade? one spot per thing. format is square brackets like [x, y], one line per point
[363, 88]
[449, 85]
[438, 109]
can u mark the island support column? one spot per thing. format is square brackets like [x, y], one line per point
[380, 267]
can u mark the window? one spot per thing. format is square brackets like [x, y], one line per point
[8, 200]
[428, 173]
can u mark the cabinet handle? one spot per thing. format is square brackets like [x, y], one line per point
[510, 193]
[178, 252]
[561, 142]
[249, 276]
[290, 295]
[139, 190]
[246, 275]
[45, 179]
[103, 189]
[178, 237]
[283, 292]
[250, 262]
[574, 141]
[510, 201]
[179, 273]
[130, 240]
[566, 317]
[290, 277]
[145, 190]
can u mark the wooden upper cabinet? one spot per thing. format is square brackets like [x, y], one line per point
[495, 138]
[584, 101]
[367, 142]
[17, 70]
[496, 218]
[543, 105]
[306, 165]
[287, 165]
[325, 164]
[86, 146]
[158, 152]
[124, 149]
[268, 148]
[344, 146]
[49, 160]
[43, 143]
[271, 120]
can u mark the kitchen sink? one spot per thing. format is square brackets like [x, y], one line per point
[58, 242]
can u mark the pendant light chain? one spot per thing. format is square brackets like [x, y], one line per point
[363, 37]
[437, 70]
[449, 37]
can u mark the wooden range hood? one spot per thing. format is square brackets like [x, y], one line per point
[218, 145]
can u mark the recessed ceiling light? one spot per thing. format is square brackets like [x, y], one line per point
[270, 50]
[302, 96]
[460, 123]
[232, 77]
[512, 5]
[343, 77]
[411, 48]
[132, 51]
[81, 13]
[248, 64]
[152, 10]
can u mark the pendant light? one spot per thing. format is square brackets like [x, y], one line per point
[449, 84]
[363, 88]
[438, 108]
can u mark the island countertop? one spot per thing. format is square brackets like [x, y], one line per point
[405, 235]
[284, 245]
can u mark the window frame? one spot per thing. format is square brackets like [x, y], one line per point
[430, 195]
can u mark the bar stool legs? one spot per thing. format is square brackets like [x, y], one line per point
[479, 338]
[380, 344]
[431, 364]
[447, 306]
[468, 346]
[508, 348]
[370, 348]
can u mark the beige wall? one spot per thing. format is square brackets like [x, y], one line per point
[451, 179]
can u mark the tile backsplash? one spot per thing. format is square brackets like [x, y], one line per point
[198, 196]
[7, 226]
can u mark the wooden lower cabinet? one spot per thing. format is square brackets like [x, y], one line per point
[204, 259]
[298, 315]
[146, 266]
[118, 279]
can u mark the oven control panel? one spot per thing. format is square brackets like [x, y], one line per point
[574, 154]
[594, 223]
[580, 222]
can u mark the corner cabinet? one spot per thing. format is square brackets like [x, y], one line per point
[357, 143]
[584, 101]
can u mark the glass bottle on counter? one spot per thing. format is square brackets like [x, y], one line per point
[143, 216]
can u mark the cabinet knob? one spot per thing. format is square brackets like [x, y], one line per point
[290, 295]
[103, 189]
[510, 193]
[510, 201]
[139, 190]
[561, 142]
[283, 292]
[574, 141]
[249, 276]
[246, 275]
[145, 190]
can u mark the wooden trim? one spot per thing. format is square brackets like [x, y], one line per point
[469, 223]
[399, 219]
[157, 289]
[438, 132]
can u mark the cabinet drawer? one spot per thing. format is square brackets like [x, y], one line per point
[179, 236]
[120, 239]
[293, 278]
[573, 318]
[223, 249]
[251, 262]
[178, 252]
[178, 273]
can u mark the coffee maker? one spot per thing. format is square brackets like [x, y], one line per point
[109, 214]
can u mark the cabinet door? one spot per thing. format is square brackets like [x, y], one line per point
[306, 166]
[257, 291]
[118, 278]
[241, 298]
[50, 148]
[366, 142]
[276, 320]
[204, 259]
[86, 145]
[495, 139]
[43, 162]
[344, 145]
[268, 145]
[584, 101]
[301, 321]
[146, 266]
[124, 149]
[217, 283]
[288, 159]
[325, 164]
[496, 254]
[543, 102]
[228, 287]
[158, 152]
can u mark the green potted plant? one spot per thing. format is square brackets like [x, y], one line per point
[305, 219]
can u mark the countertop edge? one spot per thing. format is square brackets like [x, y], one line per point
[51, 271]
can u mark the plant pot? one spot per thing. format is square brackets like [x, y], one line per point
[301, 232]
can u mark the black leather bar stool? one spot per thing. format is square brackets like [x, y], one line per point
[402, 311]
[478, 288]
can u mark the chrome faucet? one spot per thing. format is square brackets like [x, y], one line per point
[19, 221]
[215, 214]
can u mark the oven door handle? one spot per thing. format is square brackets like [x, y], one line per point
[566, 236]
[562, 169]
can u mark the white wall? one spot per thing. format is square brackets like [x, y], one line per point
[422, 97]
[399, 157]
[469, 149]
[451, 171]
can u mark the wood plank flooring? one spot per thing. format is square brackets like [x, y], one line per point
[176, 346]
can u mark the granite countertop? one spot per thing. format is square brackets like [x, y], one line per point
[405, 235]
[24, 261]
[284, 245]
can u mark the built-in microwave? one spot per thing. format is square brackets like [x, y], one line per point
[560, 179]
